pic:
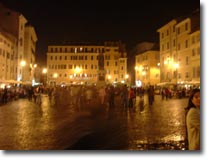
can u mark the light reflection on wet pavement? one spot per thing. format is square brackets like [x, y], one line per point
[27, 126]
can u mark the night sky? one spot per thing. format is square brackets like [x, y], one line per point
[130, 21]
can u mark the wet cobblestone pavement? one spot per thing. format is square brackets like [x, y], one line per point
[25, 125]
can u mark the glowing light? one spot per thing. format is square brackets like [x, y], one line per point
[23, 63]
[44, 70]
[78, 70]
[55, 75]
[176, 65]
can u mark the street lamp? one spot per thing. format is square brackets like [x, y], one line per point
[126, 78]
[44, 71]
[109, 78]
[22, 63]
[32, 76]
[78, 69]
[55, 75]
[168, 70]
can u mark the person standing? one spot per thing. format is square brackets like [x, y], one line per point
[111, 95]
[193, 120]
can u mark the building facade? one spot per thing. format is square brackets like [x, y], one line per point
[180, 50]
[80, 64]
[147, 71]
[30, 40]
[16, 42]
[7, 56]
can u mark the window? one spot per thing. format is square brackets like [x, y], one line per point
[187, 60]
[186, 44]
[193, 52]
[198, 51]
[167, 45]
[174, 28]
[80, 57]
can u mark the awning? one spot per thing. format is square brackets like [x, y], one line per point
[11, 81]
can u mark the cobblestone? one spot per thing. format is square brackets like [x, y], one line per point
[25, 125]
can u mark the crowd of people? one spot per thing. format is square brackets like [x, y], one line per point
[82, 96]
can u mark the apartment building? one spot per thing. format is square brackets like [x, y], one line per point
[30, 40]
[147, 71]
[180, 50]
[15, 35]
[80, 63]
[7, 56]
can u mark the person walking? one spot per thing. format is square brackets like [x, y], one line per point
[124, 96]
[151, 95]
[193, 120]
[131, 97]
